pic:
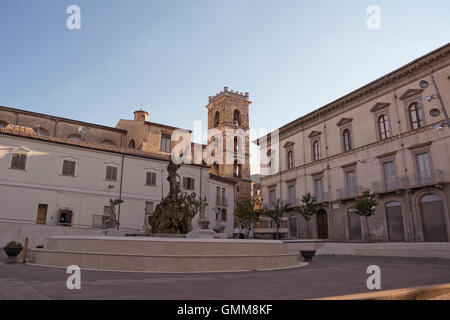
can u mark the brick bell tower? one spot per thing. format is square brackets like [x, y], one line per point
[229, 110]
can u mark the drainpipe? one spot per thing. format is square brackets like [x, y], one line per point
[330, 216]
[120, 190]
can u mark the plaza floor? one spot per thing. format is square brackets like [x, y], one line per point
[326, 276]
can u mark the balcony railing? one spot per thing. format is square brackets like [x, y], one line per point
[222, 202]
[348, 193]
[408, 181]
[322, 197]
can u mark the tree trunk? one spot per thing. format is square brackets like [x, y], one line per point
[307, 229]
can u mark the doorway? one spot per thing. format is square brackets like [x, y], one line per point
[322, 224]
[42, 214]
[433, 219]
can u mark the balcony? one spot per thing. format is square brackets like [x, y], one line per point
[322, 197]
[416, 180]
[348, 193]
[267, 226]
[222, 202]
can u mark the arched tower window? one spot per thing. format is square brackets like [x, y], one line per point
[383, 127]
[347, 139]
[216, 119]
[132, 144]
[415, 116]
[237, 117]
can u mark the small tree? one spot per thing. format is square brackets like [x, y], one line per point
[366, 206]
[307, 209]
[246, 213]
[276, 214]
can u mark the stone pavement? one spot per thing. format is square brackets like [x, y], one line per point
[326, 276]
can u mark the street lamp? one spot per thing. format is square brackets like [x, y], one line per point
[424, 84]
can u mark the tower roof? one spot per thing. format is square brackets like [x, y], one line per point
[229, 93]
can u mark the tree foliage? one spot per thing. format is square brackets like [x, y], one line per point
[246, 213]
[366, 206]
[276, 214]
[308, 209]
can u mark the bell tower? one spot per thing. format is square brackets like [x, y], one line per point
[228, 112]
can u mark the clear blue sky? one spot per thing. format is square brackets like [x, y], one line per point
[292, 56]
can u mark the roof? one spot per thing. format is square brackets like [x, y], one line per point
[22, 132]
[42, 115]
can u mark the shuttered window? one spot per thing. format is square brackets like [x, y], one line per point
[165, 142]
[68, 168]
[150, 179]
[188, 183]
[18, 161]
[111, 173]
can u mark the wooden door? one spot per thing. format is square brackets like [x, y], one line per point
[42, 214]
[322, 224]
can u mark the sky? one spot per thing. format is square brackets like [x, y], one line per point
[168, 56]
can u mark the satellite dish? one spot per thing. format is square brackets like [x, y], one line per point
[423, 84]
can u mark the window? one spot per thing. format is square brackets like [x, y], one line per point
[316, 150]
[68, 168]
[75, 137]
[150, 179]
[18, 161]
[110, 142]
[224, 214]
[237, 118]
[354, 225]
[216, 119]
[415, 116]
[347, 139]
[272, 200]
[41, 131]
[165, 142]
[424, 167]
[111, 173]
[318, 189]
[383, 127]
[188, 183]
[291, 194]
[290, 159]
[132, 144]
[352, 189]
[65, 217]
[237, 169]
[389, 175]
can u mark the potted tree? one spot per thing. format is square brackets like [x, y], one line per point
[365, 207]
[13, 249]
[307, 209]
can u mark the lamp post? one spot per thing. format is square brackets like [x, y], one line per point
[424, 84]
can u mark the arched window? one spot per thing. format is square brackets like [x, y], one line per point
[347, 139]
[132, 144]
[383, 127]
[316, 150]
[216, 119]
[237, 169]
[75, 137]
[237, 117]
[415, 116]
[290, 159]
[3, 124]
[236, 145]
[41, 131]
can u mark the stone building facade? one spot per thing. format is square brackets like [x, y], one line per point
[389, 137]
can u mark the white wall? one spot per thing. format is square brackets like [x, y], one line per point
[21, 191]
